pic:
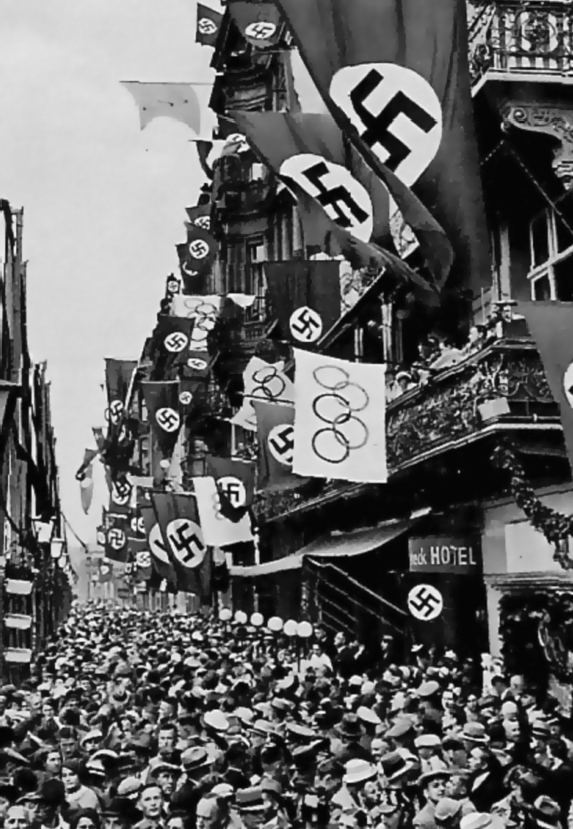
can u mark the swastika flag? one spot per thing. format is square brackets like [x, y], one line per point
[178, 520]
[162, 401]
[160, 560]
[275, 429]
[394, 74]
[305, 298]
[259, 23]
[208, 25]
[551, 326]
[343, 207]
[235, 481]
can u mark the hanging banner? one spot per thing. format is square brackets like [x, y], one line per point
[339, 424]
[218, 531]
[275, 429]
[162, 401]
[266, 382]
[394, 74]
[550, 325]
[259, 23]
[208, 25]
[203, 310]
[305, 297]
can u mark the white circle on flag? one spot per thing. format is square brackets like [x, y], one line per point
[168, 419]
[105, 569]
[116, 538]
[203, 221]
[176, 342]
[156, 544]
[186, 542]
[143, 559]
[185, 398]
[305, 325]
[234, 489]
[198, 249]
[115, 412]
[425, 602]
[568, 384]
[173, 286]
[334, 187]
[260, 30]
[197, 363]
[188, 271]
[206, 26]
[281, 443]
[396, 113]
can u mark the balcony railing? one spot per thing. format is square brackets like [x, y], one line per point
[507, 36]
[501, 387]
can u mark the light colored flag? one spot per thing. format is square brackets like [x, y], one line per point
[339, 424]
[166, 100]
[266, 382]
[203, 309]
[218, 531]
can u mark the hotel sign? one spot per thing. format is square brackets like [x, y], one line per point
[445, 554]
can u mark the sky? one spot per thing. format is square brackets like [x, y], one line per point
[103, 202]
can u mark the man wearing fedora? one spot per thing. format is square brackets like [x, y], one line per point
[432, 785]
[350, 733]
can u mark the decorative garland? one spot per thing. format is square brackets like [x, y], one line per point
[536, 630]
[555, 526]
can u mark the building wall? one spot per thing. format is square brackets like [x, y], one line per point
[513, 550]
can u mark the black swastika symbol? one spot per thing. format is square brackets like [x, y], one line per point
[334, 197]
[377, 126]
[186, 543]
[425, 602]
[281, 443]
[306, 324]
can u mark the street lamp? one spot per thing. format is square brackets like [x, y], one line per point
[241, 617]
[257, 620]
[225, 615]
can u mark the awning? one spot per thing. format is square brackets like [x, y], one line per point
[336, 545]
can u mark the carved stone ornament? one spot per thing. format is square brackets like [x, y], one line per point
[556, 121]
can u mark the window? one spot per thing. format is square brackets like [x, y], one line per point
[551, 262]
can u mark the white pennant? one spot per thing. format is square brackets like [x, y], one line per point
[339, 425]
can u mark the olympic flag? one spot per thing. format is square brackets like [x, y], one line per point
[339, 422]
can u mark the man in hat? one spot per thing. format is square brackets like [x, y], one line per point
[17, 817]
[433, 787]
[350, 798]
[215, 812]
[350, 732]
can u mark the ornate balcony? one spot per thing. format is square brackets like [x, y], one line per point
[510, 37]
[499, 389]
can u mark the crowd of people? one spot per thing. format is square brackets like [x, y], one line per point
[140, 720]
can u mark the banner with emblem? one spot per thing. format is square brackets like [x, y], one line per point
[275, 430]
[262, 381]
[160, 560]
[336, 209]
[118, 378]
[218, 530]
[310, 150]
[551, 326]
[178, 520]
[208, 25]
[235, 480]
[141, 559]
[259, 23]
[394, 74]
[305, 297]
[162, 402]
[173, 285]
[203, 310]
[200, 215]
[339, 420]
[198, 252]
[115, 530]
[122, 495]
[171, 343]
